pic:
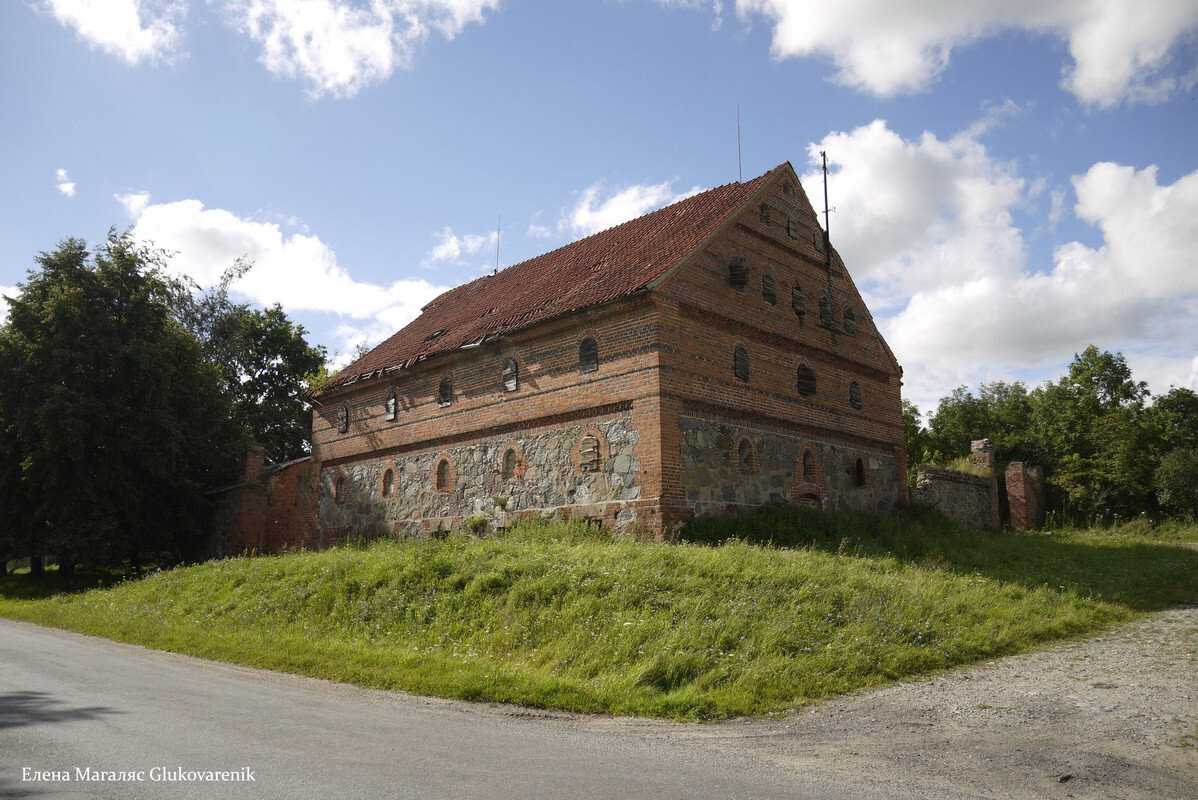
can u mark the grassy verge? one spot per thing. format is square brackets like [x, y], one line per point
[561, 617]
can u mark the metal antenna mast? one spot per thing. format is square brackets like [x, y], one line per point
[498, 231]
[740, 172]
[827, 225]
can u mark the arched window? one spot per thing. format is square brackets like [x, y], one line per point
[792, 227]
[859, 472]
[340, 490]
[764, 213]
[589, 459]
[509, 463]
[445, 392]
[808, 464]
[391, 407]
[740, 363]
[850, 321]
[855, 399]
[769, 289]
[443, 474]
[343, 419]
[744, 457]
[825, 311]
[388, 482]
[798, 302]
[588, 355]
[511, 376]
[806, 381]
[738, 271]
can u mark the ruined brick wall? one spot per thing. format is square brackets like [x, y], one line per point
[1025, 495]
[270, 511]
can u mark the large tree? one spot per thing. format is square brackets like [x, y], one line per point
[114, 421]
[264, 359]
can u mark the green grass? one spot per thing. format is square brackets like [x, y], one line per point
[563, 617]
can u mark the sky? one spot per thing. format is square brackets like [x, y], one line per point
[1010, 180]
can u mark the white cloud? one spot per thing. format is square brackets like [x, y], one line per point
[926, 228]
[536, 231]
[134, 202]
[298, 271]
[338, 47]
[134, 30]
[591, 214]
[452, 247]
[6, 291]
[65, 185]
[1122, 50]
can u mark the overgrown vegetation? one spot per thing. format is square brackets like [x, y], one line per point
[749, 616]
[125, 395]
[1107, 447]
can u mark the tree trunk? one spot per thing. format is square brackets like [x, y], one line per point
[66, 565]
[35, 565]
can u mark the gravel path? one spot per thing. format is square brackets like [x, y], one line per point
[1115, 716]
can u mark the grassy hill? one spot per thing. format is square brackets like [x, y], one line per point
[562, 616]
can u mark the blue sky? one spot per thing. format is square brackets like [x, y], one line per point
[1012, 180]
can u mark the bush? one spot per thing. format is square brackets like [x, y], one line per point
[1176, 482]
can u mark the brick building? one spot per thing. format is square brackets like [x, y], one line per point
[706, 358]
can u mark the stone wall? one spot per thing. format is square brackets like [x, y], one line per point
[548, 479]
[971, 500]
[717, 479]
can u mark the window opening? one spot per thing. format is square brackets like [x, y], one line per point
[740, 363]
[806, 381]
[588, 355]
[588, 454]
[769, 289]
[511, 376]
[738, 271]
[445, 392]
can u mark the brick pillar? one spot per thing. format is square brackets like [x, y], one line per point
[253, 461]
[1025, 495]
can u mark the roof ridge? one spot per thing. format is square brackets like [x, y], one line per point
[590, 236]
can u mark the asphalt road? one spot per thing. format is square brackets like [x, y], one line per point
[71, 702]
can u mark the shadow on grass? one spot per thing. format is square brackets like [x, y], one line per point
[1139, 575]
[23, 586]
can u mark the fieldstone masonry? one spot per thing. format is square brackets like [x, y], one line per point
[971, 500]
[548, 481]
[717, 482]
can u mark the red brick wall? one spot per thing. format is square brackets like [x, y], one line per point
[666, 353]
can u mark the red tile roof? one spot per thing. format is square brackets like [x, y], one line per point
[609, 264]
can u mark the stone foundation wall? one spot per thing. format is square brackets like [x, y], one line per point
[716, 481]
[970, 500]
[549, 479]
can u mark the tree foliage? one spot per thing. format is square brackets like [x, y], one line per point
[263, 358]
[1092, 430]
[114, 421]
